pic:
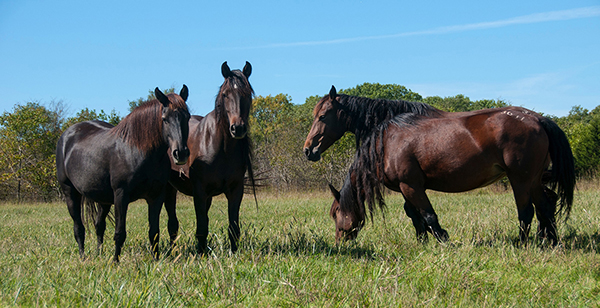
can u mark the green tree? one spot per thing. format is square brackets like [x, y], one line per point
[89, 115]
[135, 103]
[383, 91]
[582, 127]
[460, 103]
[27, 151]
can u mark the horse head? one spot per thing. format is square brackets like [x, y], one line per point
[175, 128]
[235, 99]
[329, 125]
[347, 223]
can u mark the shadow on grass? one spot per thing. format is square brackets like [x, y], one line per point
[302, 241]
[571, 240]
[295, 242]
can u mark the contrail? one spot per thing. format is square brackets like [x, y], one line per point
[579, 13]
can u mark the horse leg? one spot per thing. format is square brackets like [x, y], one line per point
[154, 208]
[73, 198]
[418, 198]
[545, 209]
[234, 199]
[100, 225]
[524, 208]
[201, 206]
[121, 205]
[417, 220]
[170, 204]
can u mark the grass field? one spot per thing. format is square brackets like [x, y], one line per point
[288, 258]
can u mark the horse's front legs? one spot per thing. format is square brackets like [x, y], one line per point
[154, 208]
[417, 197]
[201, 206]
[417, 220]
[121, 205]
[170, 205]
[234, 199]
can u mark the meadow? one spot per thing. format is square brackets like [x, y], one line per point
[288, 258]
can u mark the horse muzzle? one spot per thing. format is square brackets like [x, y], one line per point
[312, 155]
[238, 131]
[180, 157]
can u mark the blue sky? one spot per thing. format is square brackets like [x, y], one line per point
[543, 55]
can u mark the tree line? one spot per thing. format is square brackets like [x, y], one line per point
[278, 128]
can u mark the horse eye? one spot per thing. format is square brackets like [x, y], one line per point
[321, 118]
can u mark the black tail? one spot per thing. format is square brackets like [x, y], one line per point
[89, 212]
[248, 157]
[563, 166]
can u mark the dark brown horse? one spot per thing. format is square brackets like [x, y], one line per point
[335, 114]
[117, 165]
[413, 153]
[220, 155]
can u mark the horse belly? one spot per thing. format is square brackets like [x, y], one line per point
[468, 176]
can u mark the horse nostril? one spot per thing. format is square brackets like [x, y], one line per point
[306, 152]
[176, 154]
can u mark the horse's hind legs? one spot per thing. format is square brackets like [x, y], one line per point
[73, 199]
[100, 225]
[545, 208]
[525, 211]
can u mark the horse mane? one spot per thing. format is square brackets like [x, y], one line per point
[142, 128]
[365, 180]
[366, 113]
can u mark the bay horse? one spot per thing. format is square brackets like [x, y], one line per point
[100, 165]
[412, 153]
[336, 114]
[220, 156]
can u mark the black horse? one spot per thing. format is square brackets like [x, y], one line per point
[220, 155]
[104, 165]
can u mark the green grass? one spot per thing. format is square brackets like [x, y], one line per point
[288, 258]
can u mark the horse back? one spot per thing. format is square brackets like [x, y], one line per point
[438, 151]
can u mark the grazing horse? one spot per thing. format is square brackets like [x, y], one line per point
[413, 153]
[103, 165]
[220, 155]
[336, 114]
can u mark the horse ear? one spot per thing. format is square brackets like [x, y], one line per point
[332, 93]
[247, 69]
[225, 70]
[335, 193]
[161, 97]
[184, 93]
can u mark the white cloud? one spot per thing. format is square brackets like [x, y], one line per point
[578, 13]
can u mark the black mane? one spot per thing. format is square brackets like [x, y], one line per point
[364, 182]
[367, 113]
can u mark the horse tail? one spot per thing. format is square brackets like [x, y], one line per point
[563, 166]
[90, 210]
[248, 157]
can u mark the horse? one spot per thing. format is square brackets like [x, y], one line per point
[220, 155]
[413, 153]
[99, 165]
[335, 114]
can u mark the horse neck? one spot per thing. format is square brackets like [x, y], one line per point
[215, 128]
[141, 130]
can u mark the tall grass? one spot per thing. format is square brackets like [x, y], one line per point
[288, 258]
